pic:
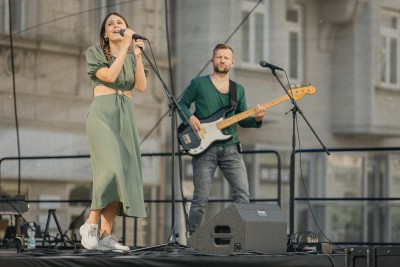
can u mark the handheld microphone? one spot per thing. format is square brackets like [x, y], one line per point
[264, 64]
[134, 36]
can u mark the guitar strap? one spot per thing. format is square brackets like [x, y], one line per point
[234, 103]
[233, 94]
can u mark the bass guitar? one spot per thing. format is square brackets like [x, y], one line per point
[212, 126]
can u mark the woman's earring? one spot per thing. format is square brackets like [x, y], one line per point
[105, 38]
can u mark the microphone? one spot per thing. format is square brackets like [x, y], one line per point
[264, 64]
[134, 36]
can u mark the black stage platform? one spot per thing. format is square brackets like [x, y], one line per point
[165, 257]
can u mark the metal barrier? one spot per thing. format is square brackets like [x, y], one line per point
[352, 199]
[169, 201]
[279, 182]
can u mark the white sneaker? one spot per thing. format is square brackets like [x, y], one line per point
[110, 242]
[89, 234]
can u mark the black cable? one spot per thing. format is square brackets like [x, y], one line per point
[25, 221]
[168, 46]
[14, 96]
[34, 229]
[304, 186]
[330, 259]
[305, 190]
[180, 173]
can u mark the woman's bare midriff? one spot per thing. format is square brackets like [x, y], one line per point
[104, 90]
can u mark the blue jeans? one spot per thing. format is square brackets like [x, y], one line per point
[231, 163]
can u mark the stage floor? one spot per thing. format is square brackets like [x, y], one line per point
[163, 256]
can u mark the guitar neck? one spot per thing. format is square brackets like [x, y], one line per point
[245, 114]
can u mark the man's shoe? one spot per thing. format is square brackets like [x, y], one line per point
[110, 242]
[89, 234]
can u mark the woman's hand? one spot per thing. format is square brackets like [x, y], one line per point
[128, 33]
[137, 44]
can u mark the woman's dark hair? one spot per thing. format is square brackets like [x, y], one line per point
[105, 43]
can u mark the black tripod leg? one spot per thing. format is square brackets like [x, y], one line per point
[46, 230]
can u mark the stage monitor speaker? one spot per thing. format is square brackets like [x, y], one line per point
[243, 227]
[385, 257]
[358, 257]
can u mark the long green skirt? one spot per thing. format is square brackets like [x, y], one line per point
[115, 155]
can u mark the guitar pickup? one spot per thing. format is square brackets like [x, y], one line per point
[186, 139]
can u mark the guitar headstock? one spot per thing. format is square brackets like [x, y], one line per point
[298, 93]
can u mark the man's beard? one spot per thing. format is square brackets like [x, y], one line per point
[223, 70]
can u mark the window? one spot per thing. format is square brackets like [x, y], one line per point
[18, 16]
[252, 33]
[389, 73]
[294, 18]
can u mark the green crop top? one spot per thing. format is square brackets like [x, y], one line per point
[96, 60]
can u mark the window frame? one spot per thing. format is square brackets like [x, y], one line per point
[251, 59]
[296, 28]
[18, 21]
[387, 35]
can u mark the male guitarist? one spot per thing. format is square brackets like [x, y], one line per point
[209, 94]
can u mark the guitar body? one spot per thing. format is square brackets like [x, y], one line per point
[208, 135]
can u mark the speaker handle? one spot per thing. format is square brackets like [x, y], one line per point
[222, 235]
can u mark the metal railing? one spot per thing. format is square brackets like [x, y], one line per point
[352, 199]
[279, 183]
[168, 201]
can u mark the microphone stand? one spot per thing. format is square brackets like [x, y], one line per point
[173, 106]
[294, 110]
